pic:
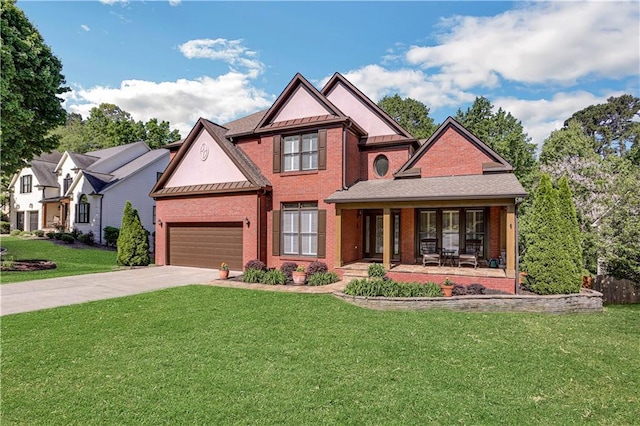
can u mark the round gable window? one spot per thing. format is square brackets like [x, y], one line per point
[381, 165]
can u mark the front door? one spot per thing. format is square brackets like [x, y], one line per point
[373, 234]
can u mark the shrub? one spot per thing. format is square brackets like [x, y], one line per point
[323, 278]
[255, 264]
[67, 238]
[317, 267]
[459, 290]
[252, 275]
[25, 233]
[76, 233]
[476, 289]
[389, 288]
[51, 235]
[376, 270]
[38, 233]
[88, 238]
[133, 241]
[5, 227]
[287, 268]
[57, 235]
[274, 277]
[111, 235]
[15, 232]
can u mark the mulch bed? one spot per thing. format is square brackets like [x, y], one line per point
[28, 265]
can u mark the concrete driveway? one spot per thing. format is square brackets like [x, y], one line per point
[53, 292]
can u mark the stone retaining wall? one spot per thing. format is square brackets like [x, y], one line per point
[586, 301]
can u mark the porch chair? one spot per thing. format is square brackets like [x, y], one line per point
[471, 253]
[430, 251]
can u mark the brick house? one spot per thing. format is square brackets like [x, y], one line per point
[327, 175]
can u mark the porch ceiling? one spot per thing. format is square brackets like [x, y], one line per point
[503, 185]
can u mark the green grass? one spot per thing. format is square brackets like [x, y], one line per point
[208, 355]
[69, 260]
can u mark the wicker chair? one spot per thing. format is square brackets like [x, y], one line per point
[471, 253]
[430, 251]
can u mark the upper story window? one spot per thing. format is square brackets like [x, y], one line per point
[25, 184]
[67, 183]
[381, 165]
[82, 209]
[301, 152]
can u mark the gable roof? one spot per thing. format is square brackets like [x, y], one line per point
[334, 115]
[247, 167]
[498, 165]
[338, 78]
[244, 125]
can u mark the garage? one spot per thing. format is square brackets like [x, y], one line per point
[205, 245]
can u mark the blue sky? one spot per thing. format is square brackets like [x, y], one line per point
[181, 60]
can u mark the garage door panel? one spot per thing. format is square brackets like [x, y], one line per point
[205, 246]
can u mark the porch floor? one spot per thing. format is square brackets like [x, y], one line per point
[435, 270]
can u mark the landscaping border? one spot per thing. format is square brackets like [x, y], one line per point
[587, 301]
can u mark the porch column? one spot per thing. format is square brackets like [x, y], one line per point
[338, 222]
[511, 241]
[386, 238]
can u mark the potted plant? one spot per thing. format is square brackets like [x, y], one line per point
[299, 275]
[223, 273]
[447, 287]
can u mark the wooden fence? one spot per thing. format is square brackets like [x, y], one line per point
[616, 291]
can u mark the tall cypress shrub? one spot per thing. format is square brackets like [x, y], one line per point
[569, 223]
[547, 261]
[133, 245]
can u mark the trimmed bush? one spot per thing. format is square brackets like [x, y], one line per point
[88, 238]
[376, 270]
[274, 277]
[15, 232]
[57, 235]
[76, 233]
[323, 278]
[252, 275]
[51, 235]
[476, 289]
[255, 264]
[317, 267]
[459, 290]
[287, 268]
[133, 241]
[111, 235]
[67, 238]
[390, 288]
[25, 233]
[5, 227]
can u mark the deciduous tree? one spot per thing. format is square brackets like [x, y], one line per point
[30, 82]
[411, 114]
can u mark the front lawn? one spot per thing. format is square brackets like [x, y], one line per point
[69, 260]
[210, 355]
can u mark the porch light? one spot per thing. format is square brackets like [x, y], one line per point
[247, 221]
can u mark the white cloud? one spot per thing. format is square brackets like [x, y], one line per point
[175, 2]
[549, 42]
[232, 52]
[542, 116]
[180, 102]
[85, 27]
[112, 2]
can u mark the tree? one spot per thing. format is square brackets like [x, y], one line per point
[569, 228]
[133, 243]
[613, 126]
[504, 134]
[412, 115]
[547, 260]
[566, 143]
[30, 81]
[108, 125]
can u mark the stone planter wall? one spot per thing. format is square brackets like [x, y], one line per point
[586, 301]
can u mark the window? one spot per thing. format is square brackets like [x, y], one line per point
[427, 224]
[82, 209]
[66, 184]
[300, 229]
[158, 176]
[474, 227]
[301, 152]
[381, 165]
[451, 230]
[25, 184]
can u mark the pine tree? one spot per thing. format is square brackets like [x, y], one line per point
[570, 231]
[547, 261]
[133, 244]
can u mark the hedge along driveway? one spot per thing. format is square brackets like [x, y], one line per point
[76, 259]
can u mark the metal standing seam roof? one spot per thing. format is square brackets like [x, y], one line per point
[504, 185]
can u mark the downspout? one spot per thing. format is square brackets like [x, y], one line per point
[344, 155]
[259, 217]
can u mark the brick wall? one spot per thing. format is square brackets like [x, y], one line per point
[397, 157]
[451, 155]
[503, 284]
[494, 232]
[407, 236]
[352, 159]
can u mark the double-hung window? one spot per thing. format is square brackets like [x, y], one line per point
[300, 152]
[25, 184]
[300, 229]
[82, 210]
[66, 184]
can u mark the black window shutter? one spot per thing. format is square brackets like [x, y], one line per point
[322, 149]
[277, 158]
[276, 232]
[322, 233]
[77, 211]
[87, 209]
